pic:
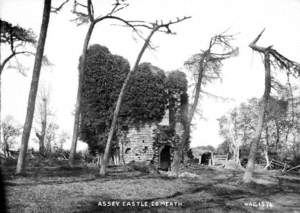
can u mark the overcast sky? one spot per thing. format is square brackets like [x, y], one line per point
[242, 75]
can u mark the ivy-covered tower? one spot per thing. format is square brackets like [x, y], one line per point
[154, 142]
[150, 122]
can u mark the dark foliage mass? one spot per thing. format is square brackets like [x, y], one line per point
[10, 34]
[103, 77]
[16, 39]
[176, 85]
[145, 98]
[144, 102]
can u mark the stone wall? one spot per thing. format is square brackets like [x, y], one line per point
[137, 144]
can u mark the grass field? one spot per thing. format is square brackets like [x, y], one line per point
[62, 189]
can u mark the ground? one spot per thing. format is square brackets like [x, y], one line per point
[199, 189]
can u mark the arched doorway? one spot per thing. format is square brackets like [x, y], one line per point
[205, 158]
[165, 158]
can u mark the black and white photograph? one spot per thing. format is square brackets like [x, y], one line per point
[149, 106]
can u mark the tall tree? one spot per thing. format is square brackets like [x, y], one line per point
[154, 27]
[39, 57]
[206, 68]
[85, 14]
[206, 65]
[231, 131]
[34, 86]
[16, 39]
[42, 117]
[275, 59]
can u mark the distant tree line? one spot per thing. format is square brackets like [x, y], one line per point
[279, 139]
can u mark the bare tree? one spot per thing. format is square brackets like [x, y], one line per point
[154, 27]
[11, 130]
[51, 136]
[34, 83]
[206, 65]
[271, 58]
[232, 131]
[34, 87]
[85, 14]
[206, 68]
[236, 142]
[42, 117]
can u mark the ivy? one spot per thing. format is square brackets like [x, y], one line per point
[144, 102]
[103, 77]
[146, 97]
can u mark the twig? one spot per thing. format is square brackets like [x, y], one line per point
[57, 9]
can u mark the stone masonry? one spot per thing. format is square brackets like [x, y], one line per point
[137, 144]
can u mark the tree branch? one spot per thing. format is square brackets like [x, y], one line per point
[167, 25]
[57, 9]
[278, 60]
[10, 57]
[90, 10]
[117, 6]
[253, 45]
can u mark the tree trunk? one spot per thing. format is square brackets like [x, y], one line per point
[34, 87]
[1, 109]
[277, 135]
[179, 150]
[236, 154]
[266, 151]
[78, 99]
[41, 136]
[254, 144]
[119, 101]
[1, 69]
[267, 158]
[123, 153]
[198, 90]
[287, 134]
[5, 148]
[41, 143]
[48, 148]
[42, 139]
[178, 154]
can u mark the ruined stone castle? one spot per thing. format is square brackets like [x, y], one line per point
[150, 143]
